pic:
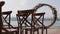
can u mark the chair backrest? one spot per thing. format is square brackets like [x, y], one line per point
[23, 16]
[8, 28]
[6, 18]
[38, 19]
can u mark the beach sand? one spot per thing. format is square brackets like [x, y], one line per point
[53, 30]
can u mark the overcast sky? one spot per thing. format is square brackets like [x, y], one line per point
[15, 5]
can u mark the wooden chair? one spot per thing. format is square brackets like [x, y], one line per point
[38, 20]
[23, 23]
[9, 28]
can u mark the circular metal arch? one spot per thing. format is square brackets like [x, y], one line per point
[54, 12]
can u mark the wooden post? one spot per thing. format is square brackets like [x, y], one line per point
[1, 4]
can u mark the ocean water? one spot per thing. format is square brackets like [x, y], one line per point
[57, 23]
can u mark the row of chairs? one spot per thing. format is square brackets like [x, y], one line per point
[23, 22]
[34, 24]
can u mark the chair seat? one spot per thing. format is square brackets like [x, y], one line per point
[40, 27]
[10, 30]
[26, 27]
[36, 27]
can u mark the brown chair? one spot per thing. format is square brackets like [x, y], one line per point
[8, 27]
[38, 20]
[23, 23]
[54, 12]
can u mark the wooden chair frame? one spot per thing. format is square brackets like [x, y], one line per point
[24, 14]
[8, 30]
[38, 22]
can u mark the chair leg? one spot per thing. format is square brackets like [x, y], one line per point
[46, 30]
[21, 32]
[31, 31]
[42, 31]
[26, 31]
[37, 31]
[17, 32]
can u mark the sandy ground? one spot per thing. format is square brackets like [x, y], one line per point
[53, 30]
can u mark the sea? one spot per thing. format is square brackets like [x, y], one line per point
[46, 22]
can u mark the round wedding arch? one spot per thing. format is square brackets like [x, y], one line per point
[54, 12]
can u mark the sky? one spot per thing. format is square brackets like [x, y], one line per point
[15, 5]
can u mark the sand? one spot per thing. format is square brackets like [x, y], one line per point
[53, 30]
